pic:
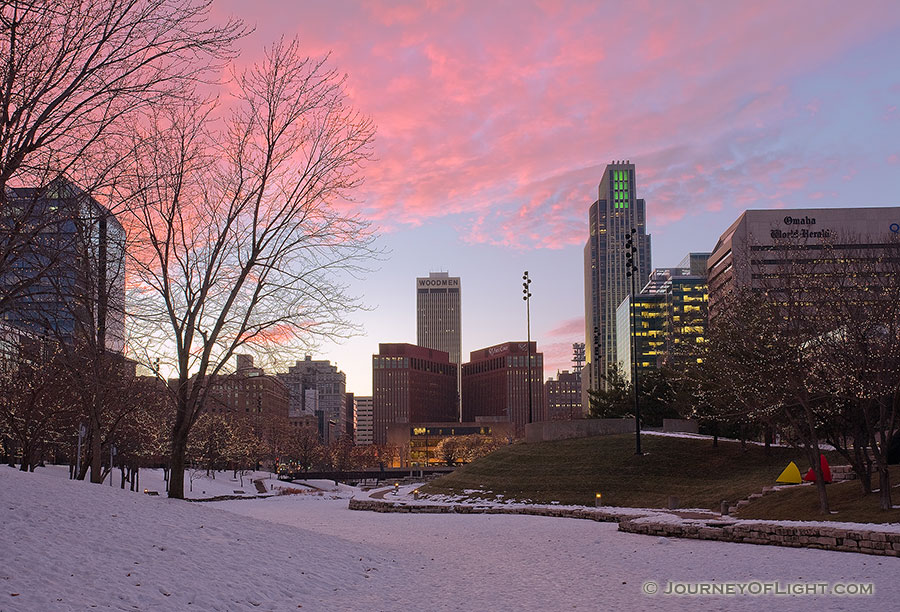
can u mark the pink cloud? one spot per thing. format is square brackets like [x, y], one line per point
[570, 328]
[503, 115]
[557, 356]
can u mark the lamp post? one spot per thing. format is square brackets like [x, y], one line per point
[631, 272]
[526, 295]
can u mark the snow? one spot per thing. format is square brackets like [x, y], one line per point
[67, 545]
[696, 436]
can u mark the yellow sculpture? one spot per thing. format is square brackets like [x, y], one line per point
[790, 475]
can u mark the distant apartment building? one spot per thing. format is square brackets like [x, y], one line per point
[439, 317]
[562, 396]
[411, 384]
[364, 422]
[612, 218]
[318, 388]
[495, 383]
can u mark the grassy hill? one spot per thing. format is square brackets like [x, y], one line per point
[572, 471]
[845, 499]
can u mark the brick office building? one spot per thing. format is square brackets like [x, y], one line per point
[251, 394]
[411, 384]
[495, 384]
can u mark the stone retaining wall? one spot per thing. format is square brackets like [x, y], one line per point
[795, 536]
[593, 514]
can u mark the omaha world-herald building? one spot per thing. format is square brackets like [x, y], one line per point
[611, 219]
[761, 245]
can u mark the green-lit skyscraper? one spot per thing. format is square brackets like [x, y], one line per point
[611, 218]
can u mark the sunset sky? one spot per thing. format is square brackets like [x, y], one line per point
[496, 119]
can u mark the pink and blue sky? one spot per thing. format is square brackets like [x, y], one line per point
[496, 119]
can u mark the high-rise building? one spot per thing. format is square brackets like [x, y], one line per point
[411, 384]
[495, 383]
[439, 314]
[439, 320]
[68, 281]
[363, 434]
[318, 388]
[613, 217]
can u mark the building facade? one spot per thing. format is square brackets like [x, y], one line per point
[411, 384]
[562, 396]
[420, 445]
[611, 219]
[642, 331]
[768, 249]
[349, 415]
[67, 281]
[364, 423]
[439, 317]
[495, 383]
[317, 388]
[251, 395]
[670, 317]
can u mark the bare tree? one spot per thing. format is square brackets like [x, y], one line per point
[73, 70]
[75, 77]
[240, 235]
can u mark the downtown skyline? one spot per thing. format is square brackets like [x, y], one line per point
[489, 149]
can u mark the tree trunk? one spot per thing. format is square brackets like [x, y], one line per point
[862, 467]
[816, 462]
[176, 467]
[884, 481]
[768, 438]
[96, 454]
[25, 452]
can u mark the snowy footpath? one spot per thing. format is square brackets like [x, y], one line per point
[68, 545]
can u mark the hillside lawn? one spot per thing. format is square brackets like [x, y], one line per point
[846, 499]
[573, 471]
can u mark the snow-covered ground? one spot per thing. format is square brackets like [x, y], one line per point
[68, 545]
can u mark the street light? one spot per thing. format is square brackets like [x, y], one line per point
[526, 295]
[631, 273]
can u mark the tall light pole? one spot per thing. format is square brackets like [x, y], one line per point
[526, 295]
[631, 272]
